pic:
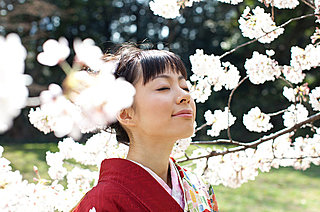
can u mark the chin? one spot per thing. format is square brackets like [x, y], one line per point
[186, 134]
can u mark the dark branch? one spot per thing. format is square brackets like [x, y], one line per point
[253, 144]
[229, 103]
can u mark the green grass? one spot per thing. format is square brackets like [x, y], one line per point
[280, 190]
[24, 156]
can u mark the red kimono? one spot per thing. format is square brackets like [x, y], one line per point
[125, 186]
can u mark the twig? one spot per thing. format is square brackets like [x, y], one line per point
[33, 101]
[272, 10]
[219, 141]
[309, 4]
[200, 128]
[229, 103]
[252, 41]
[284, 79]
[277, 113]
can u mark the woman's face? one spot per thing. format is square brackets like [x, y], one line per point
[163, 107]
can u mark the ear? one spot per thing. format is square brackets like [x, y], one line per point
[125, 117]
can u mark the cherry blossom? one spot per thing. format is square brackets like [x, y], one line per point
[258, 24]
[204, 65]
[315, 36]
[201, 90]
[56, 114]
[180, 147]
[294, 115]
[257, 121]
[315, 98]
[293, 75]
[54, 52]
[169, 8]
[261, 68]
[13, 55]
[188, 3]
[282, 4]
[165, 8]
[88, 53]
[39, 119]
[297, 94]
[231, 1]
[317, 10]
[100, 107]
[210, 71]
[219, 120]
[305, 59]
[289, 93]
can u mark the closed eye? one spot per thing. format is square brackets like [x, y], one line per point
[162, 89]
[186, 89]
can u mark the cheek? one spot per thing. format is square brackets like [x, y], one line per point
[160, 106]
[193, 105]
[154, 108]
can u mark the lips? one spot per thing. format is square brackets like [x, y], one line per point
[183, 113]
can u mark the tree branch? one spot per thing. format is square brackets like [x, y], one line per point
[309, 4]
[252, 41]
[229, 103]
[200, 128]
[253, 144]
[277, 113]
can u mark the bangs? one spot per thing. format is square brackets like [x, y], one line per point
[135, 63]
[157, 62]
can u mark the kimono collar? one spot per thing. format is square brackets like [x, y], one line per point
[139, 183]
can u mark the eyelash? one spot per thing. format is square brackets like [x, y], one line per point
[162, 89]
[165, 88]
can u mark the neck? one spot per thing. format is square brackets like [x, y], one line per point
[153, 154]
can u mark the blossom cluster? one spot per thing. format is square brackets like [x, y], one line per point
[83, 105]
[281, 4]
[17, 194]
[258, 25]
[297, 94]
[180, 147]
[315, 36]
[169, 8]
[13, 81]
[257, 121]
[293, 74]
[231, 1]
[317, 10]
[315, 99]
[219, 120]
[209, 71]
[305, 59]
[295, 114]
[260, 68]
[234, 169]
[51, 195]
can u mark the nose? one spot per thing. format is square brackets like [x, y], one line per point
[184, 97]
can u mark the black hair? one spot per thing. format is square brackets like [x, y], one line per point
[134, 63]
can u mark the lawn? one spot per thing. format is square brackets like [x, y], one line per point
[283, 189]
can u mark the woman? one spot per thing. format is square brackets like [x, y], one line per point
[162, 112]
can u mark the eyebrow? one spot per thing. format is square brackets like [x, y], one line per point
[167, 77]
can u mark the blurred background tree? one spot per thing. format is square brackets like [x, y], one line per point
[208, 25]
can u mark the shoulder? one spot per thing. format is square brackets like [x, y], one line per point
[109, 196]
